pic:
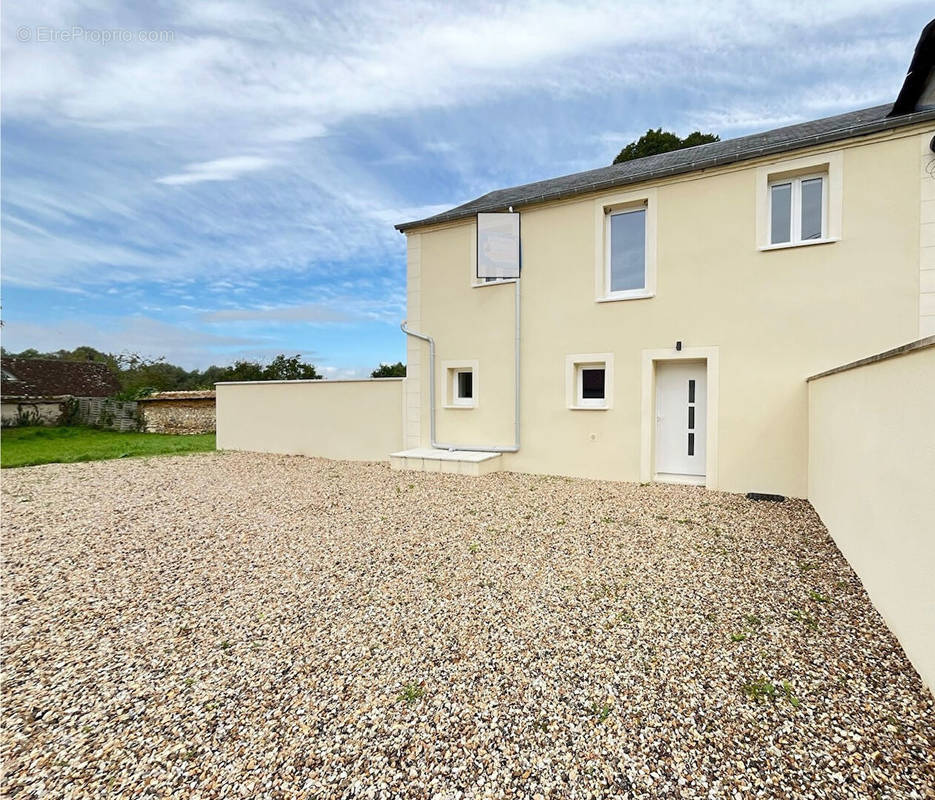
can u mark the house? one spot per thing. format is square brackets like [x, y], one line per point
[671, 308]
[36, 388]
[754, 315]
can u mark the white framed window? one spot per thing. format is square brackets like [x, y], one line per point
[472, 266]
[625, 245]
[799, 202]
[798, 209]
[460, 384]
[625, 251]
[589, 381]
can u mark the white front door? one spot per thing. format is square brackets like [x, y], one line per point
[681, 414]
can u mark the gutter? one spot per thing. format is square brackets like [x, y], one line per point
[477, 448]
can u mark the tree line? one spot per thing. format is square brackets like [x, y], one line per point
[140, 376]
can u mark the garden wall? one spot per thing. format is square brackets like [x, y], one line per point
[871, 478]
[99, 412]
[178, 412]
[356, 420]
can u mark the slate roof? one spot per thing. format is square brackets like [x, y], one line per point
[50, 377]
[781, 140]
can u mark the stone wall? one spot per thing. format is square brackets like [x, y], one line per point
[181, 415]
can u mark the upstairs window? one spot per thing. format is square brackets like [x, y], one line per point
[798, 210]
[626, 252]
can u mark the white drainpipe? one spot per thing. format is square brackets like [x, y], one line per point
[474, 447]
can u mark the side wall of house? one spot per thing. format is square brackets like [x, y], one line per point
[356, 420]
[772, 317]
[871, 471]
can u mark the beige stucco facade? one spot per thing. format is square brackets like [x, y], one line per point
[355, 420]
[763, 320]
[871, 472]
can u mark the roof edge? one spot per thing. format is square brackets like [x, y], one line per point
[839, 134]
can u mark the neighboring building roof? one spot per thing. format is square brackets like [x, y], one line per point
[780, 140]
[193, 394]
[918, 90]
[51, 377]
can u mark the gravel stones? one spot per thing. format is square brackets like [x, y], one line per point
[243, 625]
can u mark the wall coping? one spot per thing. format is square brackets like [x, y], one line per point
[319, 381]
[903, 349]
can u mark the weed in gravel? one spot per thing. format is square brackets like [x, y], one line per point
[805, 618]
[818, 597]
[760, 689]
[473, 547]
[711, 616]
[600, 712]
[225, 645]
[608, 520]
[787, 691]
[805, 566]
[752, 620]
[738, 637]
[412, 693]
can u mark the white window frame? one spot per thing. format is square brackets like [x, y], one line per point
[574, 365]
[828, 166]
[478, 283]
[795, 229]
[450, 370]
[605, 208]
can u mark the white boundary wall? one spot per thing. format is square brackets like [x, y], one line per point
[354, 420]
[871, 478]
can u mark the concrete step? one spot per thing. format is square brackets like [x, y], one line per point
[462, 462]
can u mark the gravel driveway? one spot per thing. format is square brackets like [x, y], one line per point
[262, 626]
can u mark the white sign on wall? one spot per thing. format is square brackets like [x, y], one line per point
[498, 245]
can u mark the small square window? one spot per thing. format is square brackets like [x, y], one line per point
[589, 381]
[797, 210]
[592, 383]
[460, 387]
[465, 385]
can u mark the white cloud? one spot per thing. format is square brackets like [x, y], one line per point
[306, 313]
[220, 169]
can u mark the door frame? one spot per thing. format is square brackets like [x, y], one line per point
[709, 355]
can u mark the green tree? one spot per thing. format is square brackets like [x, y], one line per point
[283, 368]
[397, 370]
[658, 141]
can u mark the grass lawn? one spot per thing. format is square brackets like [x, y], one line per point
[27, 446]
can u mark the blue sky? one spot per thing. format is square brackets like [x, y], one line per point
[221, 179]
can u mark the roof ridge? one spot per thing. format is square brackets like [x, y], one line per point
[861, 122]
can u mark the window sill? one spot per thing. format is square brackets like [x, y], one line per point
[493, 283]
[460, 406]
[788, 245]
[641, 294]
[588, 408]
